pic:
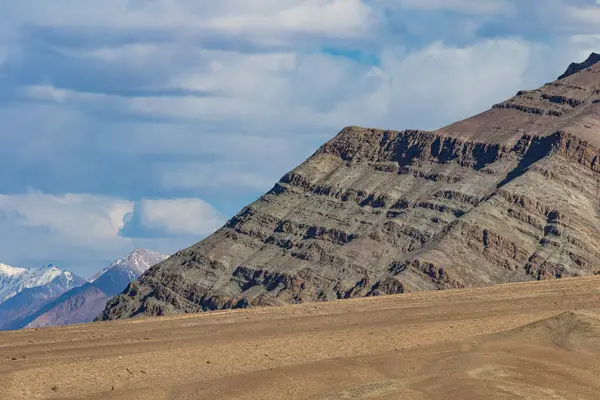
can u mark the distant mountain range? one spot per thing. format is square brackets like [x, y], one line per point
[49, 296]
[14, 280]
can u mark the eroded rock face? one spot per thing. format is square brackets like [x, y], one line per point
[509, 195]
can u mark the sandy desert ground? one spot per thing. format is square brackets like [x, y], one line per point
[522, 341]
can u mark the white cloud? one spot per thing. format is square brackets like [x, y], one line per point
[125, 54]
[82, 218]
[275, 22]
[447, 83]
[85, 218]
[261, 20]
[441, 82]
[74, 231]
[58, 95]
[46, 93]
[229, 73]
[337, 18]
[587, 16]
[469, 6]
[584, 45]
[279, 107]
[197, 176]
[179, 216]
[83, 231]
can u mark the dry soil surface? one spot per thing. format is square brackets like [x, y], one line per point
[522, 341]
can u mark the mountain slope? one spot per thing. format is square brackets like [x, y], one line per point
[83, 304]
[511, 194]
[78, 305]
[29, 300]
[115, 277]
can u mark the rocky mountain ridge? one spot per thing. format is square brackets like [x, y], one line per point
[576, 67]
[512, 194]
[14, 280]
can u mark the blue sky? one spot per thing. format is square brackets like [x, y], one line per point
[148, 123]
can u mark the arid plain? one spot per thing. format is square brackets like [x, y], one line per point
[524, 341]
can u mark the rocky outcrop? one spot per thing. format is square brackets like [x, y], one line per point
[512, 194]
[576, 67]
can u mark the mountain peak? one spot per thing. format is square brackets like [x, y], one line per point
[49, 267]
[136, 263]
[8, 270]
[576, 67]
[68, 299]
[142, 252]
[14, 280]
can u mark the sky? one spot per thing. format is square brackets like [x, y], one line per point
[149, 123]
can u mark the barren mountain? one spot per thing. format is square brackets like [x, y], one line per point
[79, 305]
[511, 194]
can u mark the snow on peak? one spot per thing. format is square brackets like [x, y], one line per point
[7, 270]
[14, 280]
[135, 263]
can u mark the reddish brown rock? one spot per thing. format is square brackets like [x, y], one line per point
[512, 194]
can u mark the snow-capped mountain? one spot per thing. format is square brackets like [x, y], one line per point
[13, 280]
[113, 279]
[134, 264]
[84, 303]
[33, 289]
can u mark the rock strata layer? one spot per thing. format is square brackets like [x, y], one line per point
[509, 195]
